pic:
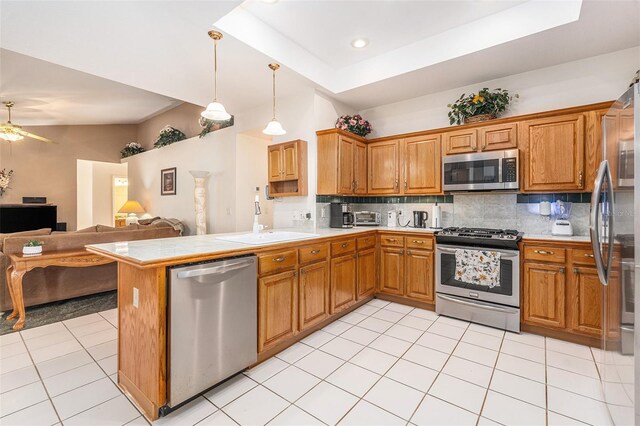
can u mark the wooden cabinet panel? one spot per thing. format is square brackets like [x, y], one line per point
[422, 165]
[384, 164]
[275, 163]
[593, 141]
[313, 294]
[277, 309]
[366, 242]
[277, 261]
[554, 153]
[423, 243]
[289, 161]
[313, 253]
[544, 294]
[339, 248]
[460, 141]
[419, 275]
[360, 168]
[392, 271]
[391, 240]
[343, 282]
[366, 273]
[583, 256]
[498, 136]
[545, 253]
[585, 309]
[346, 152]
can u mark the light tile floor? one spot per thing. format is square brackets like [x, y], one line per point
[385, 363]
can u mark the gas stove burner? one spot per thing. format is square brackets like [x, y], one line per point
[486, 237]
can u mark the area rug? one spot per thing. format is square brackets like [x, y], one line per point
[63, 310]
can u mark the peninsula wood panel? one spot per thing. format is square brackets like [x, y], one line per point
[392, 271]
[313, 294]
[343, 282]
[586, 301]
[142, 336]
[498, 137]
[460, 141]
[553, 153]
[419, 275]
[360, 168]
[277, 309]
[422, 165]
[366, 265]
[384, 167]
[544, 294]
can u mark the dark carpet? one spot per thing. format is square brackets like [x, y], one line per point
[63, 310]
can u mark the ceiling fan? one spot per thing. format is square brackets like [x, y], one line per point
[12, 132]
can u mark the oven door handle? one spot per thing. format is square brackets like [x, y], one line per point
[478, 305]
[502, 253]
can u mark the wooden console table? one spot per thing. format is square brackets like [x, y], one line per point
[21, 264]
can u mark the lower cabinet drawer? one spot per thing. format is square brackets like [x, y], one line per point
[420, 243]
[366, 242]
[313, 253]
[545, 254]
[583, 256]
[277, 261]
[391, 241]
[339, 248]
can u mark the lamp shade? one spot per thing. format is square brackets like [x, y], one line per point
[274, 128]
[131, 206]
[215, 111]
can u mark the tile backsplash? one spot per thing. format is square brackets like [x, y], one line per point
[486, 210]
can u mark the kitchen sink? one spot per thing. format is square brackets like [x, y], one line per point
[267, 237]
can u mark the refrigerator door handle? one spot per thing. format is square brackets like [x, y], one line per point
[610, 219]
[594, 222]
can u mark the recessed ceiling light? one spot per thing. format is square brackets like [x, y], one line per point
[359, 43]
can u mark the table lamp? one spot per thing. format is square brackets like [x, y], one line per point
[132, 207]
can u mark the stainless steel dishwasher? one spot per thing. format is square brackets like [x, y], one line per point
[213, 324]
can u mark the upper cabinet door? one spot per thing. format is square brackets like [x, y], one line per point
[553, 153]
[360, 168]
[384, 165]
[289, 161]
[460, 141]
[498, 137]
[346, 152]
[275, 163]
[422, 165]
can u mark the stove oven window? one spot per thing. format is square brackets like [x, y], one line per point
[484, 171]
[448, 270]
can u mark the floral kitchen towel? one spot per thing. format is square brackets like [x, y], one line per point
[478, 267]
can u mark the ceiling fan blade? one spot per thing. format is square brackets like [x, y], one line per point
[32, 136]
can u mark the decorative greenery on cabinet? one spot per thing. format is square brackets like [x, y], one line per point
[484, 105]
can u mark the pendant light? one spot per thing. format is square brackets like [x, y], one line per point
[215, 110]
[274, 128]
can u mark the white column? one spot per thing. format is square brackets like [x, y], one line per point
[200, 199]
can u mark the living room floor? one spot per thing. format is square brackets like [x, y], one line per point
[384, 363]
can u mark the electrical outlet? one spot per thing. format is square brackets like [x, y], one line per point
[136, 297]
[228, 211]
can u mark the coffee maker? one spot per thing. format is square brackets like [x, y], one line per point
[341, 215]
[420, 219]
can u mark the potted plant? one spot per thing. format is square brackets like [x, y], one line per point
[32, 247]
[169, 135]
[485, 105]
[5, 180]
[354, 124]
[130, 149]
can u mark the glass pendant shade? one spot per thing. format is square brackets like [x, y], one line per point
[274, 128]
[215, 111]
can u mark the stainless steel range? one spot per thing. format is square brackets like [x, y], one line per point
[478, 276]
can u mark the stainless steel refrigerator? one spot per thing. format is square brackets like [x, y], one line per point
[614, 227]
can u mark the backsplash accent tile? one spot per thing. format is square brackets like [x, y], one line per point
[441, 199]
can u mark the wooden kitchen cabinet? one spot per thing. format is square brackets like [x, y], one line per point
[384, 167]
[422, 165]
[498, 137]
[553, 149]
[419, 272]
[287, 169]
[392, 271]
[277, 309]
[342, 163]
[585, 309]
[313, 294]
[544, 294]
[343, 282]
[460, 141]
[366, 265]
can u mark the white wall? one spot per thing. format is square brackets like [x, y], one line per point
[251, 172]
[591, 80]
[95, 192]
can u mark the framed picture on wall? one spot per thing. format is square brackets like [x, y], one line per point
[168, 181]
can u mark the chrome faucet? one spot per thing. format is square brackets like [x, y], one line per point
[256, 224]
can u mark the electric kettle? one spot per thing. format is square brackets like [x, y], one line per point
[420, 219]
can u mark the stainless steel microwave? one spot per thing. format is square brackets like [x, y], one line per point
[481, 171]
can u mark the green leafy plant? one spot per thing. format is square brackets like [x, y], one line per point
[130, 149]
[492, 103]
[33, 243]
[209, 126]
[169, 135]
[354, 124]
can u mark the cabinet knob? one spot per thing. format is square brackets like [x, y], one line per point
[344, 245]
[401, 252]
[408, 252]
[405, 185]
[588, 255]
[544, 252]
[580, 179]
[315, 251]
[561, 270]
[279, 259]
[391, 240]
[418, 241]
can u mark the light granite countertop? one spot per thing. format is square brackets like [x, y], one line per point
[571, 239]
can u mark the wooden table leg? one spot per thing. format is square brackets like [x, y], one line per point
[18, 301]
[14, 313]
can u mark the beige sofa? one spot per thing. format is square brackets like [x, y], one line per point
[59, 283]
